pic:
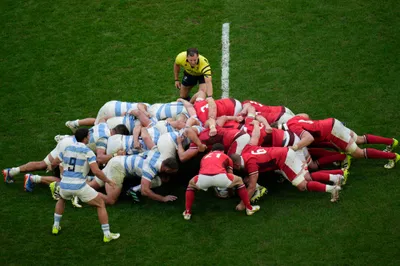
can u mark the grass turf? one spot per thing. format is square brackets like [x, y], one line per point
[61, 60]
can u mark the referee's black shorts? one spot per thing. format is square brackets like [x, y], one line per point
[189, 80]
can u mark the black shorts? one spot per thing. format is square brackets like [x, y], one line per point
[189, 80]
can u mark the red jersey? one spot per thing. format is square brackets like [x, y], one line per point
[248, 127]
[271, 113]
[258, 159]
[225, 106]
[232, 124]
[319, 129]
[226, 136]
[216, 162]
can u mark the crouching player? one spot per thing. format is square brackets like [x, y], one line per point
[76, 161]
[216, 170]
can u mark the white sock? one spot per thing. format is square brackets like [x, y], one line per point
[334, 178]
[76, 122]
[106, 229]
[329, 188]
[36, 178]
[57, 219]
[15, 171]
[137, 188]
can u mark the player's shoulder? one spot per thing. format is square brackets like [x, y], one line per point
[181, 58]
[203, 60]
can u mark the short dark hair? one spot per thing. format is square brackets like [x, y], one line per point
[81, 133]
[121, 129]
[217, 147]
[171, 163]
[192, 52]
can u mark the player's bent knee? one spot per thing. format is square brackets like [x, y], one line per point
[302, 186]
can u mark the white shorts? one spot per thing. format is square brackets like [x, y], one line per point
[85, 194]
[220, 180]
[114, 144]
[107, 110]
[161, 126]
[294, 169]
[303, 153]
[58, 149]
[342, 137]
[238, 145]
[238, 107]
[115, 121]
[166, 146]
[114, 170]
[286, 116]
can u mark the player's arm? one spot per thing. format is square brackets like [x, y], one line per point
[305, 139]
[146, 191]
[98, 173]
[255, 136]
[191, 134]
[147, 139]
[185, 155]
[264, 121]
[102, 156]
[252, 183]
[212, 108]
[209, 86]
[136, 133]
[143, 108]
[177, 69]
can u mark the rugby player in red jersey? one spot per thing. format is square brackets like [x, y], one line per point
[257, 159]
[334, 131]
[216, 170]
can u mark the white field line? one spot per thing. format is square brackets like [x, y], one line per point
[225, 61]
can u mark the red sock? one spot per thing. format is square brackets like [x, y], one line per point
[189, 198]
[370, 153]
[333, 171]
[331, 159]
[320, 176]
[316, 186]
[244, 196]
[372, 139]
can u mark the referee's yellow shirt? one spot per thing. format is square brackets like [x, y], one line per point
[202, 67]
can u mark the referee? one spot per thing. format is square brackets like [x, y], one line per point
[197, 70]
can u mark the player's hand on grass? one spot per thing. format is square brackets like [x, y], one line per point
[240, 206]
[169, 198]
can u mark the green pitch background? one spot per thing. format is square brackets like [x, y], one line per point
[62, 60]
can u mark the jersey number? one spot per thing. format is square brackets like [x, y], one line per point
[306, 121]
[259, 151]
[211, 154]
[72, 162]
[203, 108]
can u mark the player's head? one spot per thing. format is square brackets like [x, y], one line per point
[192, 56]
[120, 129]
[169, 165]
[237, 161]
[217, 147]
[82, 135]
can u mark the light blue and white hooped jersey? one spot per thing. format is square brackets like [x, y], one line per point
[120, 108]
[129, 121]
[146, 166]
[154, 135]
[186, 141]
[76, 160]
[133, 165]
[163, 111]
[98, 136]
